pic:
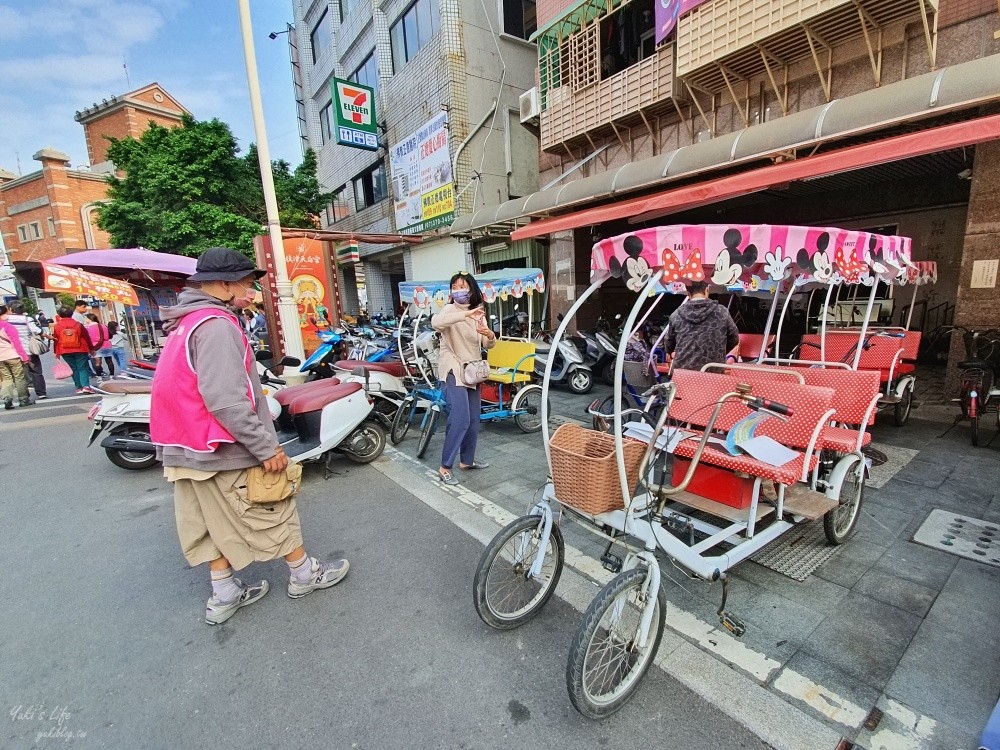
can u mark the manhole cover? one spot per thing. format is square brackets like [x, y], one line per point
[877, 457]
[971, 538]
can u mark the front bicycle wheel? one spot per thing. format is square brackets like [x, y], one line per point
[401, 422]
[527, 405]
[606, 662]
[430, 425]
[503, 594]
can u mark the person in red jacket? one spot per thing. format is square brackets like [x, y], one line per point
[74, 346]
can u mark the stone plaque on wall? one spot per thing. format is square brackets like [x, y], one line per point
[984, 274]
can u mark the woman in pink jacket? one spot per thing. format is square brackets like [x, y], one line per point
[12, 360]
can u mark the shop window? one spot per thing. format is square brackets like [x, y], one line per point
[367, 73]
[319, 39]
[627, 36]
[325, 122]
[519, 18]
[370, 187]
[413, 31]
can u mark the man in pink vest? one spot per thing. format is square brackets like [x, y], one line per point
[210, 423]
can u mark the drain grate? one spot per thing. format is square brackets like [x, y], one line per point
[971, 538]
[877, 457]
[797, 552]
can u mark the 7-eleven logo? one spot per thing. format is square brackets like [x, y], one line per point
[356, 104]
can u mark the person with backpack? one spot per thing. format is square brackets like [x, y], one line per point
[12, 359]
[74, 347]
[34, 339]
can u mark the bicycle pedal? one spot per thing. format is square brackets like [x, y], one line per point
[612, 562]
[733, 624]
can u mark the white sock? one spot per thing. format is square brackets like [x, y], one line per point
[301, 570]
[224, 587]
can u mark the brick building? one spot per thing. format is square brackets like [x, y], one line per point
[424, 59]
[49, 212]
[766, 113]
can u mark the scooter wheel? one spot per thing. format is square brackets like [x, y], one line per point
[581, 381]
[128, 459]
[366, 443]
[608, 373]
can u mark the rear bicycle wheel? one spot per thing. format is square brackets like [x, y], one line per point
[527, 402]
[401, 422]
[840, 523]
[430, 425]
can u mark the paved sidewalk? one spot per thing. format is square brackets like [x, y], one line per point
[884, 624]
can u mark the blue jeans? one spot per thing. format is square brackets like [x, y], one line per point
[462, 431]
[120, 357]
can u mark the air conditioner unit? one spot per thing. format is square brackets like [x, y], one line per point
[531, 106]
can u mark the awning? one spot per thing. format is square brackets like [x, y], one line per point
[933, 94]
[667, 202]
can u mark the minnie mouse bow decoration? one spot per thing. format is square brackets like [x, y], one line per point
[673, 270]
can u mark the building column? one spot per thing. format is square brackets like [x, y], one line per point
[978, 307]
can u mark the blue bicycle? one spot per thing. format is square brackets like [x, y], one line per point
[432, 401]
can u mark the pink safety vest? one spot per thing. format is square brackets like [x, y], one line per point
[178, 416]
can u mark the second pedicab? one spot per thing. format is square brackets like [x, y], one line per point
[749, 453]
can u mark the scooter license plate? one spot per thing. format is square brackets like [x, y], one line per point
[94, 410]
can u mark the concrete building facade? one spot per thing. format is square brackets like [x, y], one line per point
[467, 59]
[49, 212]
[635, 133]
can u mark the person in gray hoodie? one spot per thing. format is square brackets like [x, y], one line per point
[210, 423]
[701, 331]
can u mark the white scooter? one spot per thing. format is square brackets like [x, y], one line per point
[327, 416]
[124, 412]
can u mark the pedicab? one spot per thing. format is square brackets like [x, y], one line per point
[738, 467]
[510, 392]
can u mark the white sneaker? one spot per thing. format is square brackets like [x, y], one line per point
[324, 575]
[217, 612]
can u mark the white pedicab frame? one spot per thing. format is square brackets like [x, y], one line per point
[648, 259]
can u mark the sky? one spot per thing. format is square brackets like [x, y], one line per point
[59, 56]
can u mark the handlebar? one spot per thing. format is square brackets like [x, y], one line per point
[763, 404]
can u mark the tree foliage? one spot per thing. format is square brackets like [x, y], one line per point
[187, 188]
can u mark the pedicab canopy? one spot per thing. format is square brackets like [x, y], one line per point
[753, 257]
[85, 284]
[505, 284]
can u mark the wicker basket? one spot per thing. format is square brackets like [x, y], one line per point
[585, 470]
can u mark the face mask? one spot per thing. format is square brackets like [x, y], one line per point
[461, 297]
[246, 300]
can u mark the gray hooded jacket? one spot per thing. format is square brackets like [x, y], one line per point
[217, 352]
[701, 331]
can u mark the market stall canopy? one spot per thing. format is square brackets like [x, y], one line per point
[128, 259]
[503, 284]
[79, 283]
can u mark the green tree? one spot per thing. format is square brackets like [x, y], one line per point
[186, 189]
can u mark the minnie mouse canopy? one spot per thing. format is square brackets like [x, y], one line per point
[743, 256]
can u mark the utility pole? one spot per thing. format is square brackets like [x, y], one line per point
[287, 309]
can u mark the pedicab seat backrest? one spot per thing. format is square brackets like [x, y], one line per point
[909, 343]
[839, 348]
[883, 352]
[854, 391]
[697, 391]
[752, 343]
[508, 355]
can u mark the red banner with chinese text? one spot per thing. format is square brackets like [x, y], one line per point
[85, 284]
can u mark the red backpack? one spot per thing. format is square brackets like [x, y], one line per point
[70, 338]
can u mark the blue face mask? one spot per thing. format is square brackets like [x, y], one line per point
[461, 296]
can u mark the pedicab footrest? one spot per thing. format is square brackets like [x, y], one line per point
[585, 468]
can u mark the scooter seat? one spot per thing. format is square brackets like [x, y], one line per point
[127, 386]
[315, 401]
[390, 368]
[286, 395]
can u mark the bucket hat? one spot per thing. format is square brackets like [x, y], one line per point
[224, 264]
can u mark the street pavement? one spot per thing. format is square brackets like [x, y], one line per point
[105, 644]
[886, 633]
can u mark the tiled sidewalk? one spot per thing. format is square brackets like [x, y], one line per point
[884, 623]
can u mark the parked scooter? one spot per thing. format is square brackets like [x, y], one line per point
[569, 366]
[123, 411]
[319, 364]
[324, 417]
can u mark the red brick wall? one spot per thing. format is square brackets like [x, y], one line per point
[955, 11]
[127, 122]
[550, 9]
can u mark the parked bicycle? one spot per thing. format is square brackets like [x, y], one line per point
[977, 391]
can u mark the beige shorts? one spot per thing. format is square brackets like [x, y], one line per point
[215, 520]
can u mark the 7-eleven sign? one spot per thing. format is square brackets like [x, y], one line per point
[356, 122]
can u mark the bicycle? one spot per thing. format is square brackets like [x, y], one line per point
[432, 401]
[977, 390]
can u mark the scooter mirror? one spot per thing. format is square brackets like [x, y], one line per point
[263, 356]
[290, 362]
